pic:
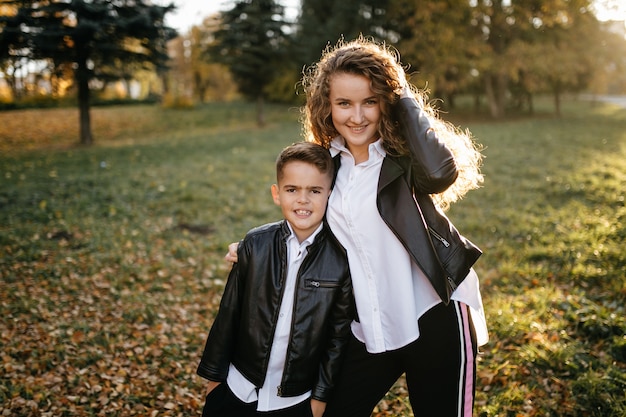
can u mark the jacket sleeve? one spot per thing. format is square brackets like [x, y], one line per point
[221, 340]
[342, 315]
[432, 163]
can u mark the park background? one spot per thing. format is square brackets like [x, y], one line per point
[117, 200]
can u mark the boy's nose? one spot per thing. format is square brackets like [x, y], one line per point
[303, 197]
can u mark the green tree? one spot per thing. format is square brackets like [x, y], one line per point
[535, 43]
[508, 48]
[101, 39]
[250, 41]
[560, 56]
[13, 43]
[610, 76]
[439, 41]
[324, 22]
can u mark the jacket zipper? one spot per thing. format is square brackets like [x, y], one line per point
[445, 243]
[321, 284]
[440, 238]
[452, 284]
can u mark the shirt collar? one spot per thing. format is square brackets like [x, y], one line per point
[376, 150]
[306, 242]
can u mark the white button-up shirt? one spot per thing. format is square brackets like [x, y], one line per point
[391, 291]
[267, 396]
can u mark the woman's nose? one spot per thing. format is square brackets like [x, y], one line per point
[357, 114]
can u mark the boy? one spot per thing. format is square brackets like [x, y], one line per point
[277, 341]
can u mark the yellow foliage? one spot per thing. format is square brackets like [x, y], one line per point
[176, 101]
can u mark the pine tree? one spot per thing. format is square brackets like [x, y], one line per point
[250, 42]
[325, 22]
[100, 39]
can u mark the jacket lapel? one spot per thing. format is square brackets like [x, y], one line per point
[389, 172]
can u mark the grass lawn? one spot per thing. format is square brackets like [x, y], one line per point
[111, 256]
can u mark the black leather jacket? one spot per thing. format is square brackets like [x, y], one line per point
[243, 330]
[404, 202]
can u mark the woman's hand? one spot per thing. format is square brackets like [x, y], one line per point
[317, 407]
[406, 91]
[405, 87]
[231, 256]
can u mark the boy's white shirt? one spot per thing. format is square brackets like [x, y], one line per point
[267, 396]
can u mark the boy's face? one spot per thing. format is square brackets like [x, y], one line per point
[302, 194]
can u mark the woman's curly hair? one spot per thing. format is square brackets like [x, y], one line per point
[381, 64]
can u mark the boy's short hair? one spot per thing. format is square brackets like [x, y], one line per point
[309, 152]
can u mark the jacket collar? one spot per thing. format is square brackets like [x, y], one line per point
[286, 232]
[390, 171]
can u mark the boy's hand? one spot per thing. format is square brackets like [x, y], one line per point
[231, 256]
[317, 407]
[211, 386]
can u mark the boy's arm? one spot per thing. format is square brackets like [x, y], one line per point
[221, 339]
[318, 408]
[211, 385]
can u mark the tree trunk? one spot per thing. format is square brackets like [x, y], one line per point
[451, 103]
[260, 111]
[557, 99]
[82, 79]
[11, 79]
[491, 97]
[476, 102]
[200, 86]
[495, 89]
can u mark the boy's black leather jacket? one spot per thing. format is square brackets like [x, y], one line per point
[243, 330]
[404, 202]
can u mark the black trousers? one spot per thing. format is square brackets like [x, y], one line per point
[440, 369]
[221, 402]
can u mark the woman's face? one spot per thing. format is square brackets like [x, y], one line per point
[355, 112]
